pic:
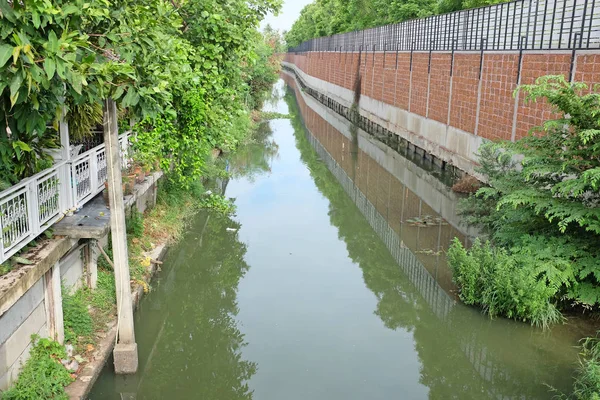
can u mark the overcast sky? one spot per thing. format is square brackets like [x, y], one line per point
[289, 13]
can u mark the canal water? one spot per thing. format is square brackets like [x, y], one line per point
[330, 282]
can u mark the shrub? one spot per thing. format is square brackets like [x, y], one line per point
[504, 283]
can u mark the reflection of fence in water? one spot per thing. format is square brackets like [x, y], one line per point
[440, 302]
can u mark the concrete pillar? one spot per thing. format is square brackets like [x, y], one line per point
[125, 352]
[53, 302]
[91, 255]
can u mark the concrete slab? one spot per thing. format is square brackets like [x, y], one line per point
[93, 220]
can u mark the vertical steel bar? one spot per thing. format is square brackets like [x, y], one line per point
[562, 25]
[543, 33]
[572, 22]
[590, 25]
[535, 18]
[585, 4]
[552, 24]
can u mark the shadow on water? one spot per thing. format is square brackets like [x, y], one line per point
[330, 283]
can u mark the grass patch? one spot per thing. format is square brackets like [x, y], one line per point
[79, 326]
[43, 376]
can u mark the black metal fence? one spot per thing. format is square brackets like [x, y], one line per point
[516, 25]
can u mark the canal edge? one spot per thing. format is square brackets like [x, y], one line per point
[81, 387]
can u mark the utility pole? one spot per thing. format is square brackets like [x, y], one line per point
[125, 353]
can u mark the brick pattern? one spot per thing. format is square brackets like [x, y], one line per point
[439, 90]
[387, 78]
[376, 75]
[402, 81]
[419, 84]
[535, 65]
[588, 69]
[463, 112]
[496, 112]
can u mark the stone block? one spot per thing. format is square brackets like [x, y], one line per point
[126, 358]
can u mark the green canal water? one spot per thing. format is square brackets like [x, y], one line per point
[329, 283]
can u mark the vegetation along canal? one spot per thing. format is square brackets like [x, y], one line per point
[329, 282]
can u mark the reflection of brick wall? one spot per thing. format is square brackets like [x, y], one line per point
[431, 94]
[392, 200]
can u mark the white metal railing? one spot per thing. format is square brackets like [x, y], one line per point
[30, 207]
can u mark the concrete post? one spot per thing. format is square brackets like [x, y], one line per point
[125, 352]
[91, 263]
[53, 302]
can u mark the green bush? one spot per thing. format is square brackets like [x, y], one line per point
[135, 223]
[504, 283]
[42, 376]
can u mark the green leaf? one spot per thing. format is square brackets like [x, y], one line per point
[21, 260]
[53, 44]
[49, 67]
[15, 85]
[15, 53]
[131, 98]
[70, 9]
[5, 53]
[21, 145]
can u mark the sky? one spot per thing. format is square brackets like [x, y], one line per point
[288, 15]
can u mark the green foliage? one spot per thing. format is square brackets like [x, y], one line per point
[135, 223]
[42, 376]
[329, 17]
[517, 284]
[218, 203]
[182, 72]
[587, 380]
[268, 115]
[542, 195]
[82, 118]
[77, 319]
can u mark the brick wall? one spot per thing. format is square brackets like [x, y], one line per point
[478, 97]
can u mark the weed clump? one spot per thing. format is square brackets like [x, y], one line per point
[504, 283]
[43, 376]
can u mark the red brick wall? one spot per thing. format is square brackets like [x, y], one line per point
[391, 82]
[402, 81]
[497, 103]
[534, 66]
[465, 83]
[419, 84]
[389, 79]
[439, 90]
[377, 77]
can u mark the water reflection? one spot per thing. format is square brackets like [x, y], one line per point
[463, 354]
[257, 156]
[189, 323]
[329, 283]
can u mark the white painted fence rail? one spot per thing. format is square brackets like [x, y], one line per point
[30, 207]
